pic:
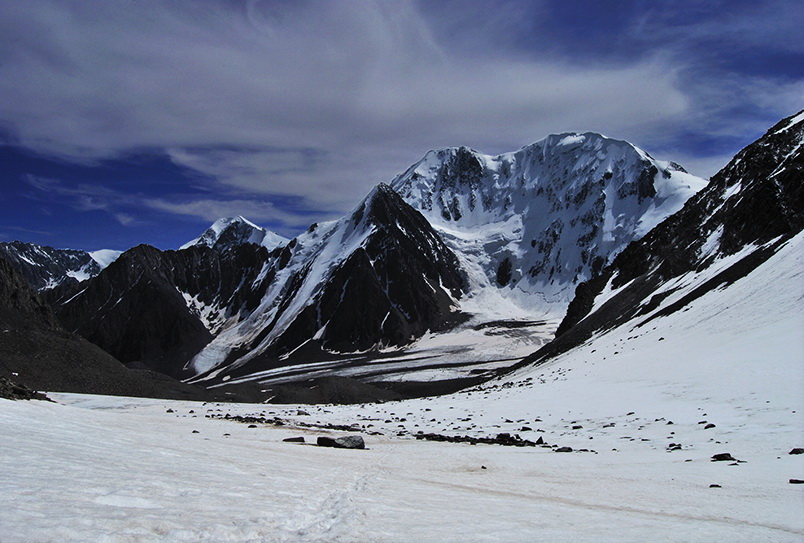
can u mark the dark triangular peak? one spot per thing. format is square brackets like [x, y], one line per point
[749, 210]
[397, 283]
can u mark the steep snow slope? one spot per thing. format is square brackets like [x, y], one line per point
[232, 231]
[535, 222]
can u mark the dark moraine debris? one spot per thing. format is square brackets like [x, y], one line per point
[504, 439]
[15, 391]
[299, 439]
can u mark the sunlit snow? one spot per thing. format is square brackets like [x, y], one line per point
[122, 469]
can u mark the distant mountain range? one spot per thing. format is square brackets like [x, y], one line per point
[574, 224]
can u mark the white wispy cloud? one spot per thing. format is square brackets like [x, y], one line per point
[322, 100]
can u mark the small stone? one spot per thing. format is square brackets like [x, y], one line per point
[796, 481]
[714, 486]
[797, 450]
[299, 439]
[563, 449]
[252, 426]
[708, 426]
[196, 432]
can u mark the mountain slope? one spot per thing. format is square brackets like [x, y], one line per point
[231, 231]
[378, 277]
[534, 223]
[157, 308]
[36, 352]
[750, 209]
[45, 267]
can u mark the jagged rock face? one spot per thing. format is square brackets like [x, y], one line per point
[20, 306]
[157, 309]
[751, 208]
[547, 216]
[45, 267]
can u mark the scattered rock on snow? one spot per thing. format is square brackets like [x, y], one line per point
[723, 457]
[345, 442]
[299, 439]
[796, 482]
[797, 450]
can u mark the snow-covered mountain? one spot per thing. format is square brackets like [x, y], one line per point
[45, 267]
[751, 209]
[231, 231]
[532, 224]
[376, 278]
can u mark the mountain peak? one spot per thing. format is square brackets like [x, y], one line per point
[548, 215]
[237, 230]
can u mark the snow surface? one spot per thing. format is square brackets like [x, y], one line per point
[104, 257]
[123, 469]
[251, 234]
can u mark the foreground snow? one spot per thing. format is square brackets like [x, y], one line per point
[125, 470]
[121, 469]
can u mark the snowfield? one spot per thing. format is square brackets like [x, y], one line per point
[94, 468]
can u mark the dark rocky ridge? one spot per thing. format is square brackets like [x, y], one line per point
[37, 353]
[389, 291]
[757, 199]
[45, 267]
[136, 311]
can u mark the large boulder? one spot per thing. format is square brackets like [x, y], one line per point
[346, 442]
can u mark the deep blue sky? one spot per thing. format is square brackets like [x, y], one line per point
[142, 121]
